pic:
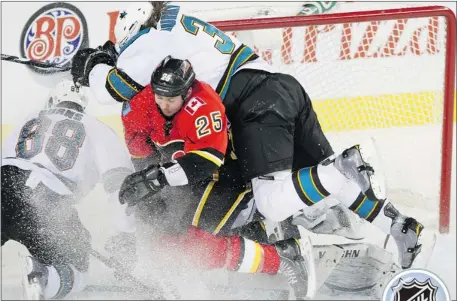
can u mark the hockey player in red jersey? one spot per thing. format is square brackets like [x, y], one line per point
[183, 110]
[154, 125]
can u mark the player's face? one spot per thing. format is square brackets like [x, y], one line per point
[169, 105]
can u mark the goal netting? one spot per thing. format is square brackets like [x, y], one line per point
[386, 74]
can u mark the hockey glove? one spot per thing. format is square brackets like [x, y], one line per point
[142, 185]
[84, 61]
[110, 49]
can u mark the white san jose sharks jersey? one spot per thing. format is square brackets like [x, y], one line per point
[215, 57]
[73, 147]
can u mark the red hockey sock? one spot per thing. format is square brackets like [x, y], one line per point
[207, 251]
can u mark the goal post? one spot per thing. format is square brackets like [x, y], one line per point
[385, 73]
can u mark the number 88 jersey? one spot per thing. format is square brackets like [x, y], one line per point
[68, 143]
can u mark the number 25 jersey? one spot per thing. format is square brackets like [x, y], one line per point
[200, 125]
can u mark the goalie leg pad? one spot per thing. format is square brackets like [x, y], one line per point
[335, 220]
[363, 269]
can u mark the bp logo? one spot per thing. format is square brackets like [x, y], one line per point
[53, 34]
[416, 285]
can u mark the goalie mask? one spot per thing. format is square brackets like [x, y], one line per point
[130, 22]
[67, 91]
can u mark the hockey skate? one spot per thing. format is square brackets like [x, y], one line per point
[35, 278]
[352, 163]
[406, 232]
[297, 265]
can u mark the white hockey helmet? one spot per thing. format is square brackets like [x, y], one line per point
[67, 91]
[130, 20]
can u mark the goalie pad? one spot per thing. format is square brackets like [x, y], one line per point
[362, 270]
[335, 219]
[326, 258]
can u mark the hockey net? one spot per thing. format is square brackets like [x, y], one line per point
[386, 74]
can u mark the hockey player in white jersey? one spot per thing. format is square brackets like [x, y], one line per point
[48, 164]
[289, 173]
[143, 42]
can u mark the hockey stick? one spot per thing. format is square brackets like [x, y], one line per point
[24, 61]
[156, 293]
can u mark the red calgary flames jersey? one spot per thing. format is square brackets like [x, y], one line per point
[200, 125]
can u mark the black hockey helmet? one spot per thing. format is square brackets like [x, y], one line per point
[173, 77]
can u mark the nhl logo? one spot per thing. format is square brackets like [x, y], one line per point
[415, 291]
[416, 285]
[53, 35]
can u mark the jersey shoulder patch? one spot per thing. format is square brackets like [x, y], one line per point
[193, 105]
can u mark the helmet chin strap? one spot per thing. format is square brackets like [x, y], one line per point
[168, 125]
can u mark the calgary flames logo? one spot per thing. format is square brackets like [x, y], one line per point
[54, 34]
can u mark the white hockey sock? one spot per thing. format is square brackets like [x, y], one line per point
[53, 287]
[350, 196]
[331, 179]
[277, 199]
[348, 193]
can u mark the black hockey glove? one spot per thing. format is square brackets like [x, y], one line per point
[142, 185]
[83, 62]
[110, 49]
